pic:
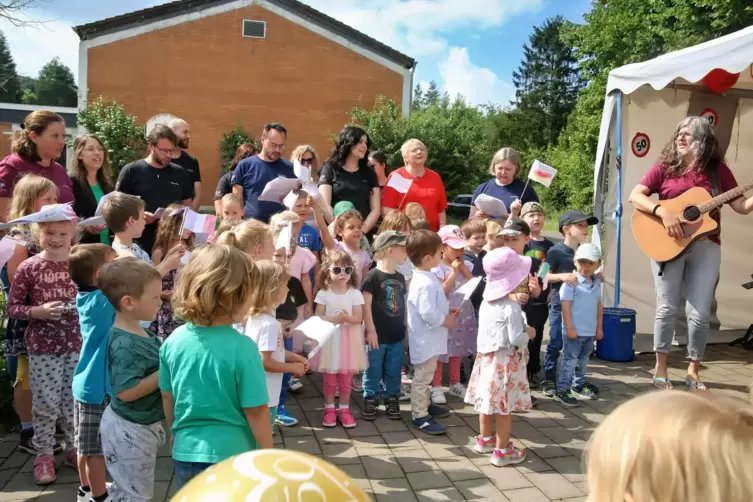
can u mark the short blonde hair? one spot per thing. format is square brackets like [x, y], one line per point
[231, 197]
[272, 276]
[669, 446]
[492, 227]
[505, 154]
[473, 226]
[414, 211]
[217, 281]
[127, 276]
[409, 144]
[396, 221]
[245, 236]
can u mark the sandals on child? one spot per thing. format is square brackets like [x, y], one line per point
[696, 385]
[662, 383]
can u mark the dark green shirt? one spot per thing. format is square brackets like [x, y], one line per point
[130, 358]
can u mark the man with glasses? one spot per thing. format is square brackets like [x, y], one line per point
[156, 180]
[185, 160]
[252, 174]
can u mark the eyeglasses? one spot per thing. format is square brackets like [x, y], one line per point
[164, 151]
[307, 161]
[341, 270]
[94, 149]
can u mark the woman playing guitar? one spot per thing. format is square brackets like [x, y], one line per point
[692, 158]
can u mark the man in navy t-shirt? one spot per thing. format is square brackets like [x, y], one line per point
[252, 174]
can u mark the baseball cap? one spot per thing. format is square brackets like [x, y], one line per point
[576, 216]
[505, 270]
[514, 227]
[453, 236]
[341, 207]
[531, 207]
[388, 238]
[587, 252]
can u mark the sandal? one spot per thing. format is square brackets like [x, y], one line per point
[662, 383]
[696, 385]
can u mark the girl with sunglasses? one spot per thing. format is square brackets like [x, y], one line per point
[339, 301]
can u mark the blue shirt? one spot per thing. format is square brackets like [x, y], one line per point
[91, 380]
[585, 308]
[507, 194]
[308, 238]
[253, 174]
[560, 259]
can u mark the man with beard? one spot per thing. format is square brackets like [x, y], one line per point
[156, 180]
[185, 160]
[253, 173]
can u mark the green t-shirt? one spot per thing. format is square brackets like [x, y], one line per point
[130, 358]
[104, 235]
[213, 374]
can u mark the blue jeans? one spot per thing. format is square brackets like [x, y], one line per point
[286, 377]
[574, 362]
[384, 365]
[186, 471]
[554, 347]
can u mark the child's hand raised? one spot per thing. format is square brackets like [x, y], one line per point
[311, 203]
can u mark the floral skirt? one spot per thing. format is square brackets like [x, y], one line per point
[499, 383]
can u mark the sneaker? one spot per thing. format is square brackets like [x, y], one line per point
[549, 388]
[44, 470]
[346, 418]
[591, 387]
[428, 425]
[438, 411]
[356, 383]
[27, 446]
[330, 417]
[285, 419]
[533, 381]
[565, 397]
[71, 459]
[485, 445]
[393, 408]
[370, 407]
[295, 385]
[404, 393]
[458, 390]
[584, 393]
[534, 402]
[510, 456]
[82, 496]
[405, 379]
[437, 396]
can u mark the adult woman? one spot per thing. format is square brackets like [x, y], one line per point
[224, 186]
[426, 186]
[378, 162]
[692, 158]
[92, 179]
[36, 149]
[505, 186]
[347, 176]
[306, 156]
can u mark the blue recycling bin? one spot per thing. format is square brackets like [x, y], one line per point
[619, 335]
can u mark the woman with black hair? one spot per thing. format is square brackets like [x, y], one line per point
[346, 175]
[378, 162]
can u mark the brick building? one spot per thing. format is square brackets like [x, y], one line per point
[223, 63]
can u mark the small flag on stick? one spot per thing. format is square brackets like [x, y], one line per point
[198, 223]
[542, 173]
[399, 183]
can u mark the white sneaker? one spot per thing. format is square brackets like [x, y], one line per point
[458, 390]
[295, 385]
[437, 396]
[404, 393]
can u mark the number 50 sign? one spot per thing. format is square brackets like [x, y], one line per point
[641, 144]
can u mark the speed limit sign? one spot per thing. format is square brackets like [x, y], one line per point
[710, 115]
[641, 144]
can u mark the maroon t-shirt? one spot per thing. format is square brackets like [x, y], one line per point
[670, 186]
[14, 166]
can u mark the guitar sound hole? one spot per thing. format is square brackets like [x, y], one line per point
[691, 213]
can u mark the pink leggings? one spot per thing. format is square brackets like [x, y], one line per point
[454, 372]
[331, 382]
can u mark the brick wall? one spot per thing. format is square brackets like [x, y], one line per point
[206, 73]
[5, 139]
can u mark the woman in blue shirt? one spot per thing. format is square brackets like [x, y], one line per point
[505, 186]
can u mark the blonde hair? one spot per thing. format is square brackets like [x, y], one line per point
[216, 282]
[492, 227]
[272, 277]
[78, 169]
[474, 226]
[414, 211]
[279, 221]
[408, 144]
[396, 221]
[127, 276]
[298, 154]
[231, 197]
[341, 258]
[246, 236]
[505, 154]
[671, 446]
[28, 189]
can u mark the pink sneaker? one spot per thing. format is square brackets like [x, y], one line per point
[330, 417]
[510, 456]
[485, 445]
[346, 418]
[71, 459]
[44, 470]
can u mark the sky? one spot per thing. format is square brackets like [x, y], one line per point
[469, 47]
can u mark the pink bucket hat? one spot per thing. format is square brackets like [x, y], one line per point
[505, 270]
[453, 236]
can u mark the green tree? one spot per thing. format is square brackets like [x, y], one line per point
[229, 144]
[121, 133]
[10, 86]
[29, 97]
[431, 97]
[56, 86]
[418, 97]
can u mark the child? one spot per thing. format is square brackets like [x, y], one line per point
[538, 246]
[573, 225]
[266, 331]
[212, 379]
[340, 302]
[131, 427]
[428, 320]
[498, 385]
[493, 241]
[581, 322]
[232, 209]
[307, 234]
[420, 225]
[461, 340]
[43, 294]
[384, 294]
[415, 212]
[348, 229]
[91, 382]
[474, 231]
[301, 259]
[673, 446]
[340, 208]
[252, 237]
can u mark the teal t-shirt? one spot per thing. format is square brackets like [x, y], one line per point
[213, 373]
[104, 235]
[130, 358]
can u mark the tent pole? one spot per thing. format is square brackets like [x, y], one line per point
[618, 208]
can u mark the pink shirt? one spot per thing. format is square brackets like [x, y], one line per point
[301, 262]
[14, 166]
[360, 259]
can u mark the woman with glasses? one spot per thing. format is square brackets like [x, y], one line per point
[378, 162]
[505, 185]
[92, 179]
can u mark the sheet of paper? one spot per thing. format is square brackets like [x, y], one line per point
[285, 237]
[185, 257]
[302, 172]
[7, 247]
[159, 212]
[52, 212]
[316, 329]
[491, 206]
[290, 199]
[101, 203]
[311, 188]
[94, 221]
[278, 188]
[174, 212]
[399, 183]
[467, 289]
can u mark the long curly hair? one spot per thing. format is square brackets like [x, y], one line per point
[706, 153]
[349, 137]
[168, 230]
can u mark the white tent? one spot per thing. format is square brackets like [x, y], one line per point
[644, 103]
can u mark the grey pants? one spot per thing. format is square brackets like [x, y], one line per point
[698, 269]
[51, 379]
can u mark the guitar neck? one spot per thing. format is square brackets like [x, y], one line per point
[720, 200]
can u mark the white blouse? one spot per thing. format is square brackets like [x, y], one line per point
[501, 325]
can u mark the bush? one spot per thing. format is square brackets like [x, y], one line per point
[229, 144]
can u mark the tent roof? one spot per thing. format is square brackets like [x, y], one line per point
[733, 53]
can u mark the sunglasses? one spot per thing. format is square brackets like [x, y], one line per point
[341, 270]
[307, 161]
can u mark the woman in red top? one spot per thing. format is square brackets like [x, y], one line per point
[691, 159]
[426, 188]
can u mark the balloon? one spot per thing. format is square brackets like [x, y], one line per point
[719, 80]
[270, 476]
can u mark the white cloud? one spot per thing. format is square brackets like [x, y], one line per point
[33, 46]
[477, 84]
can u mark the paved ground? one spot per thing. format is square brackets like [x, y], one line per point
[394, 462]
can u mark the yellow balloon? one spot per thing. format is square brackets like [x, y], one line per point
[270, 476]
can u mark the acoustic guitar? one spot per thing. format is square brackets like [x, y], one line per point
[694, 206]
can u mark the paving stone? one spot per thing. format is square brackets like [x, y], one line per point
[15, 460]
[6, 476]
[335, 435]
[382, 467]
[385, 425]
[20, 488]
[428, 479]
[459, 468]
[439, 494]
[364, 428]
[533, 463]
[355, 471]
[164, 469]
[480, 489]
[441, 447]
[7, 447]
[545, 449]
[558, 434]
[401, 440]
[570, 467]
[306, 445]
[340, 454]
[371, 445]
[505, 478]
[415, 460]
[526, 495]
[392, 490]
[553, 484]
